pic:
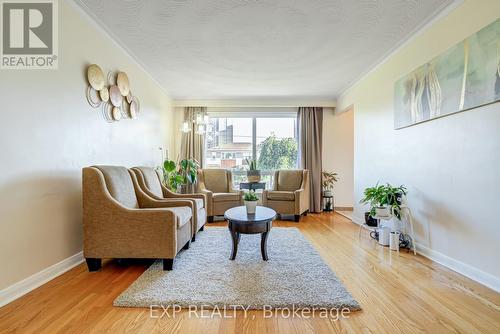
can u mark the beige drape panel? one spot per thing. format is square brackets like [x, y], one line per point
[310, 133]
[192, 144]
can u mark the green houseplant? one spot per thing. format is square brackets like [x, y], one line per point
[171, 178]
[328, 180]
[253, 174]
[384, 199]
[250, 198]
[181, 177]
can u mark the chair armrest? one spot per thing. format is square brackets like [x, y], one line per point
[301, 201]
[167, 193]
[264, 197]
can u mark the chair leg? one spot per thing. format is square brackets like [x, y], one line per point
[305, 213]
[297, 218]
[187, 245]
[193, 239]
[93, 264]
[210, 219]
[202, 228]
[168, 264]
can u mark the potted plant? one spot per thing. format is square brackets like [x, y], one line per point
[171, 178]
[188, 169]
[182, 178]
[253, 174]
[383, 200]
[328, 180]
[250, 199]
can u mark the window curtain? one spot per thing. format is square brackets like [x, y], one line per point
[192, 144]
[310, 134]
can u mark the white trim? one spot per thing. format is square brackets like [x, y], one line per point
[473, 273]
[28, 284]
[264, 102]
[83, 9]
[433, 18]
[464, 269]
[261, 112]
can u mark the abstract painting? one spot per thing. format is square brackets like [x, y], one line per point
[466, 76]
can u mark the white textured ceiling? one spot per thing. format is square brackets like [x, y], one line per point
[245, 49]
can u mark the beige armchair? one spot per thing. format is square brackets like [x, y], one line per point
[217, 186]
[150, 183]
[290, 193]
[117, 223]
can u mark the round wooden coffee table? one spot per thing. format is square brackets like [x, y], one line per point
[239, 222]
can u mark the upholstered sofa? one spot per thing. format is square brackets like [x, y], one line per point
[217, 186]
[117, 223]
[150, 183]
[290, 193]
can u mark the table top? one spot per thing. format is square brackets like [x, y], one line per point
[239, 214]
[252, 185]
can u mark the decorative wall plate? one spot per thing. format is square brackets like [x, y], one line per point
[104, 94]
[134, 108]
[93, 97]
[125, 109]
[123, 83]
[95, 77]
[111, 78]
[107, 112]
[115, 96]
[117, 114]
[133, 114]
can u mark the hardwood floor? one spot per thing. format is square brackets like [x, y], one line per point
[399, 293]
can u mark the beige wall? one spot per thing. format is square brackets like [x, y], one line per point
[49, 133]
[338, 152]
[450, 165]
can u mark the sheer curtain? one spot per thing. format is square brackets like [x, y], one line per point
[310, 133]
[192, 144]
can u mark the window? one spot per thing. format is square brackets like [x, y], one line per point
[268, 138]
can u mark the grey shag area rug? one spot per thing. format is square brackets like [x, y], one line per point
[294, 276]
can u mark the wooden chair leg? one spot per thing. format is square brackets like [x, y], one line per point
[202, 228]
[168, 264]
[297, 218]
[210, 219]
[193, 239]
[93, 264]
[187, 245]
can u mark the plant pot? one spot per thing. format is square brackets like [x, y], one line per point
[369, 220]
[253, 175]
[382, 211]
[251, 206]
[327, 193]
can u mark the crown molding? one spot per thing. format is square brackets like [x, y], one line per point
[91, 18]
[258, 103]
[437, 15]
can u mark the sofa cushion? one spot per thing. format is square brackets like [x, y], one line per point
[226, 197]
[119, 184]
[281, 195]
[152, 181]
[289, 180]
[183, 213]
[199, 203]
[216, 180]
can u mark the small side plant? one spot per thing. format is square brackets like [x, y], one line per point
[250, 196]
[328, 180]
[384, 196]
[174, 177]
[252, 164]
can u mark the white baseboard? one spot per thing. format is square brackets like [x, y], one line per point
[21, 288]
[473, 273]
